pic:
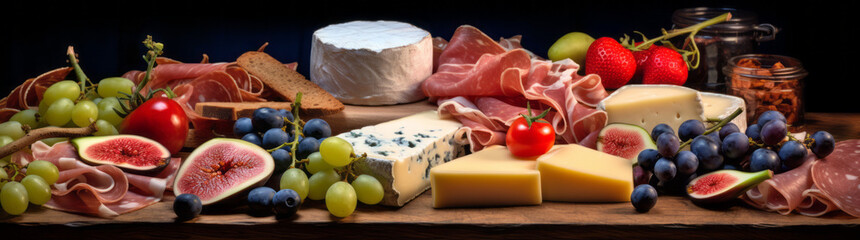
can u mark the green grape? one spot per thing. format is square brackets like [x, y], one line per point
[336, 151]
[47, 170]
[368, 189]
[26, 117]
[6, 160]
[60, 112]
[14, 198]
[112, 86]
[107, 113]
[11, 129]
[84, 113]
[3, 176]
[296, 180]
[319, 183]
[38, 191]
[340, 199]
[63, 89]
[105, 128]
[92, 95]
[97, 101]
[52, 141]
[316, 163]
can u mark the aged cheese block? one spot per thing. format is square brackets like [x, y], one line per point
[401, 152]
[648, 105]
[573, 173]
[719, 106]
[372, 63]
[490, 177]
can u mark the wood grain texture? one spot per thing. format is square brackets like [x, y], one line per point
[672, 218]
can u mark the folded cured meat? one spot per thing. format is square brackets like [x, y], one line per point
[104, 191]
[815, 188]
[486, 87]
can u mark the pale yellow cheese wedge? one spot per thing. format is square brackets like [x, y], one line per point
[573, 173]
[648, 105]
[490, 177]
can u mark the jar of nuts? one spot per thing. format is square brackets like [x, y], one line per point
[768, 82]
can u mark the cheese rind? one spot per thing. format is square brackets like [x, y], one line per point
[490, 177]
[372, 63]
[573, 173]
[719, 106]
[648, 105]
[401, 152]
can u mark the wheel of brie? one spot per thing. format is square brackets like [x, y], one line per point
[372, 62]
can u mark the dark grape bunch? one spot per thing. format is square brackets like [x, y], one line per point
[764, 145]
[274, 131]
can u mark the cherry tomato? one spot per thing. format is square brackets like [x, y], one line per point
[529, 141]
[160, 119]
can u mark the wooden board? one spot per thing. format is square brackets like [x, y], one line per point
[672, 218]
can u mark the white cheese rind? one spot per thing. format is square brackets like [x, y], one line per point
[719, 106]
[648, 105]
[372, 63]
[400, 153]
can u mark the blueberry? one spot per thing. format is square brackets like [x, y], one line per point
[317, 128]
[243, 126]
[644, 197]
[660, 129]
[307, 146]
[253, 138]
[282, 158]
[260, 200]
[266, 118]
[686, 162]
[274, 137]
[763, 159]
[728, 129]
[187, 206]
[647, 158]
[286, 202]
[690, 129]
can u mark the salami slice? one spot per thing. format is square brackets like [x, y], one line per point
[837, 176]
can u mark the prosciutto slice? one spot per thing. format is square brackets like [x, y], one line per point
[486, 86]
[104, 190]
[28, 94]
[817, 187]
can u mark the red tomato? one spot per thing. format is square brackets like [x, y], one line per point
[160, 119]
[525, 141]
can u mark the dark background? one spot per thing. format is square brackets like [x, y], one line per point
[107, 36]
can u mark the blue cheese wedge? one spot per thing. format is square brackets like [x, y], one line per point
[401, 152]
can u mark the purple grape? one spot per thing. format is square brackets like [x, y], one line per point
[754, 132]
[764, 158]
[735, 145]
[643, 198]
[792, 154]
[773, 132]
[253, 138]
[686, 162]
[647, 158]
[660, 129]
[728, 129]
[690, 129]
[665, 169]
[266, 118]
[767, 116]
[667, 145]
[823, 144]
[640, 176]
[708, 152]
[243, 126]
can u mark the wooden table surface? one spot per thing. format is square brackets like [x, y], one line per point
[672, 217]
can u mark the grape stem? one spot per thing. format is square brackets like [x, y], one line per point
[717, 127]
[691, 31]
[297, 127]
[42, 133]
[78, 71]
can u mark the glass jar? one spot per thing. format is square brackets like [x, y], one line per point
[719, 42]
[768, 82]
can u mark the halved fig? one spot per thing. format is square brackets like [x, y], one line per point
[129, 152]
[624, 140]
[223, 169]
[724, 185]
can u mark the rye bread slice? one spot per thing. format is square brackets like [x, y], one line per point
[285, 83]
[234, 110]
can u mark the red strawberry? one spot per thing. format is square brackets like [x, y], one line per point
[612, 62]
[641, 57]
[664, 66]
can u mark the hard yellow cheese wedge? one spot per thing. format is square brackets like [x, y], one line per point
[573, 173]
[490, 177]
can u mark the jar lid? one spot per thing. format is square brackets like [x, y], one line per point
[793, 68]
[741, 20]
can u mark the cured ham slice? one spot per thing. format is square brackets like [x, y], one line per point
[817, 187]
[104, 190]
[486, 86]
[28, 94]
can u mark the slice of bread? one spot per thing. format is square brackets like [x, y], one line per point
[285, 83]
[234, 110]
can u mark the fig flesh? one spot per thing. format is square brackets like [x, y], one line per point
[624, 140]
[222, 169]
[724, 185]
[128, 152]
